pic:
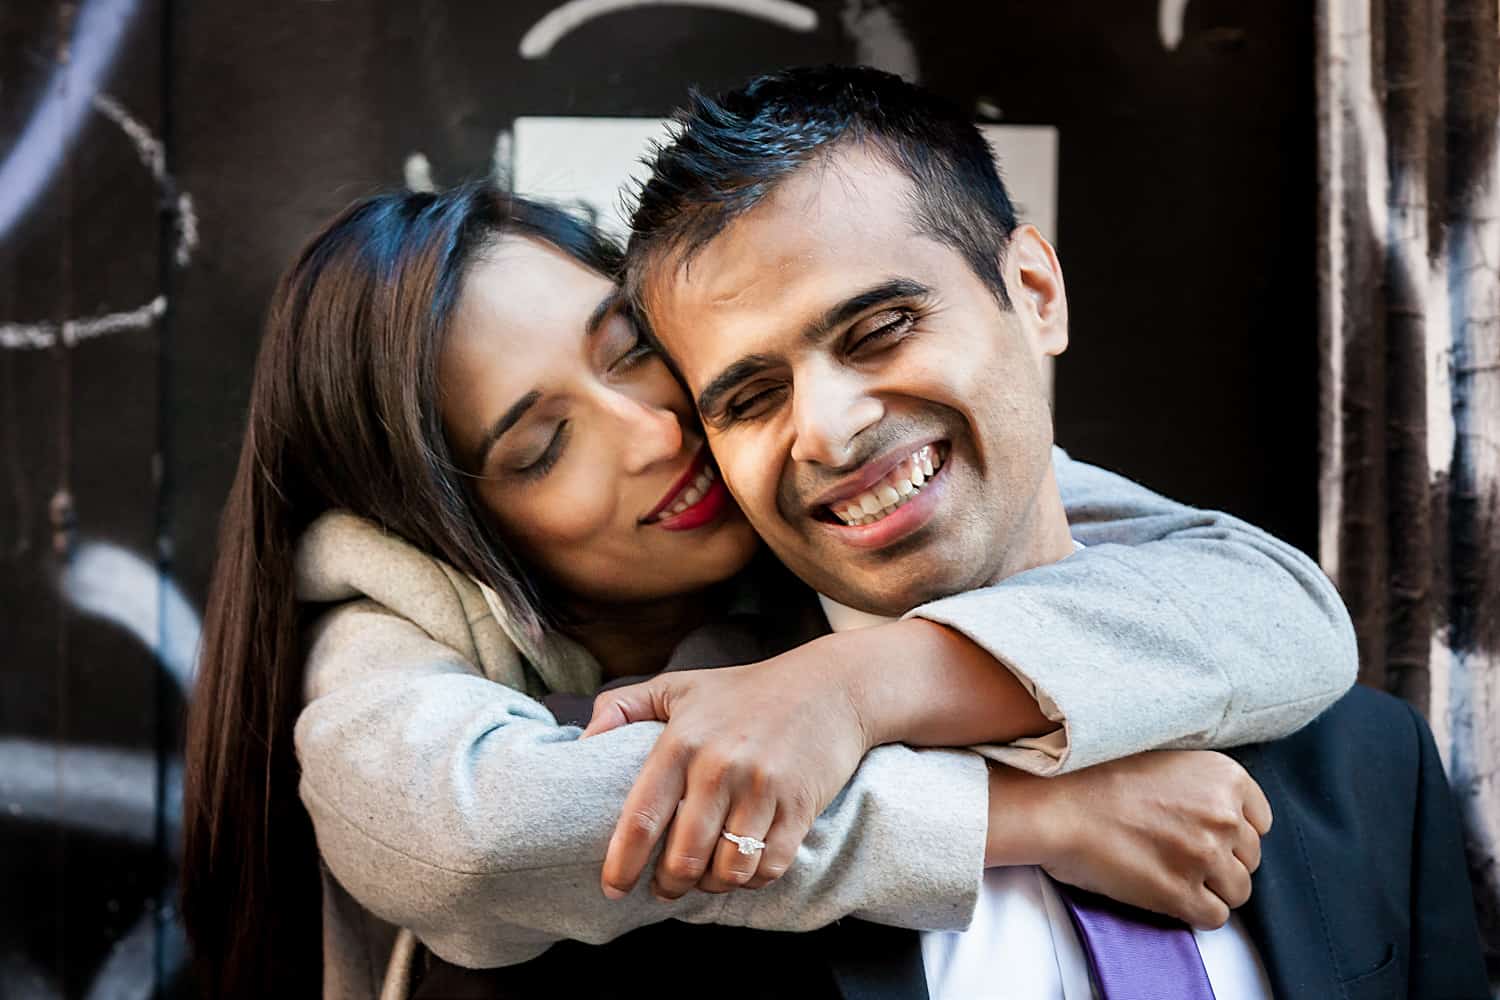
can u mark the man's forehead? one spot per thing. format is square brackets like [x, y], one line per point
[821, 234]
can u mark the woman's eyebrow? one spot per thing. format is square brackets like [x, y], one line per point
[507, 420]
[601, 312]
[518, 409]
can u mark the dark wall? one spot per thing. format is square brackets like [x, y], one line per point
[1186, 199]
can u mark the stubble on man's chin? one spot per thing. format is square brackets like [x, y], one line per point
[901, 588]
[934, 567]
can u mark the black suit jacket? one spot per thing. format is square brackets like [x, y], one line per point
[1362, 894]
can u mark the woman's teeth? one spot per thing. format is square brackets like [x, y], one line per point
[691, 495]
[900, 485]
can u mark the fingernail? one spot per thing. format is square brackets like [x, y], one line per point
[613, 892]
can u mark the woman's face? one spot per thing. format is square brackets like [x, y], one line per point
[588, 454]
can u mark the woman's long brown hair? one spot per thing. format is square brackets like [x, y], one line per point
[343, 413]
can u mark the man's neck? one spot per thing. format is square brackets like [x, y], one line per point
[1045, 535]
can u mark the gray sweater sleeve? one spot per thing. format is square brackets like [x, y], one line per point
[1174, 627]
[455, 806]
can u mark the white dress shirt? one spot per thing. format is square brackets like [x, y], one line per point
[1021, 944]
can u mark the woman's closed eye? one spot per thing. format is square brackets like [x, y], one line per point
[541, 465]
[632, 348]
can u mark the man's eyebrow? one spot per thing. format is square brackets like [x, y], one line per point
[723, 383]
[886, 291]
[507, 420]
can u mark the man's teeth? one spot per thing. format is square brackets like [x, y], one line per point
[691, 495]
[900, 485]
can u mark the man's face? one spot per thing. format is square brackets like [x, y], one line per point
[836, 354]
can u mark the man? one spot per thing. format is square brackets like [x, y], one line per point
[833, 266]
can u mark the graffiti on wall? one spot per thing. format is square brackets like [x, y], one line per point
[108, 791]
[131, 795]
[72, 93]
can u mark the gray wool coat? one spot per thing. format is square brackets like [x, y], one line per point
[448, 802]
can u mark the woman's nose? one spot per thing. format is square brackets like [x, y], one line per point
[650, 433]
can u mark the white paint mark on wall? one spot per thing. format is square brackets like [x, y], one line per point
[147, 146]
[545, 33]
[130, 971]
[418, 173]
[41, 336]
[154, 158]
[1169, 16]
[880, 39]
[101, 790]
[187, 230]
[59, 114]
[119, 586]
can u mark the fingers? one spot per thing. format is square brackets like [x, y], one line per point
[1207, 911]
[1229, 880]
[623, 705]
[1257, 808]
[750, 816]
[788, 831]
[644, 817]
[1247, 848]
[695, 835]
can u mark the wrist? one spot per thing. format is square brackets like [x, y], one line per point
[870, 668]
[1022, 831]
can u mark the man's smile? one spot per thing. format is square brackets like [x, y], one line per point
[888, 499]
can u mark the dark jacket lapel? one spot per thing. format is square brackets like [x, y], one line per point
[1284, 916]
[875, 962]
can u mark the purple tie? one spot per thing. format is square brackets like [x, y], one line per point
[1135, 954]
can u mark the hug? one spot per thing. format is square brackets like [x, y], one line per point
[718, 610]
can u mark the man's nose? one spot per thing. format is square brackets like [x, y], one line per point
[829, 411]
[649, 433]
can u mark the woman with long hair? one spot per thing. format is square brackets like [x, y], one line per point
[422, 555]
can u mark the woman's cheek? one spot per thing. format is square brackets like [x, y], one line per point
[574, 523]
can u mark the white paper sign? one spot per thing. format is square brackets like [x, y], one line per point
[592, 162]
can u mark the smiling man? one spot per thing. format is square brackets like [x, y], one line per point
[835, 270]
[870, 401]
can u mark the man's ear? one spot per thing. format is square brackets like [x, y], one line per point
[1035, 279]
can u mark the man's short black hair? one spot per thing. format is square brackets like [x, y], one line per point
[729, 153]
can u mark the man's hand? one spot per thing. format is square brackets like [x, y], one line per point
[758, 750]
[1173, 831]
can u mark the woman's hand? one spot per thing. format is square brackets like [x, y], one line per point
[1173, 831]
[758, 750]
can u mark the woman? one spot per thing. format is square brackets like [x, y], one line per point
[409, 524]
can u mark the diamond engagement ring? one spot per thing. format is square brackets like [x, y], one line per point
[747, 845]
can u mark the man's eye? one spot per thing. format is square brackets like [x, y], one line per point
[887, 325]
[755, 404]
